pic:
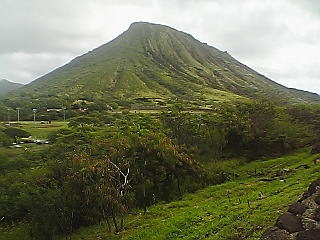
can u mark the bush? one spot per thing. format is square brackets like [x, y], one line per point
[5, 140]
[16, 132]
[80, 121]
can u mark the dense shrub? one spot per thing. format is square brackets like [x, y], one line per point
[5, 140]
[16, 132]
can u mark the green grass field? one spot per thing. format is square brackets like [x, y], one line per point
[252, 205]
[39, 130]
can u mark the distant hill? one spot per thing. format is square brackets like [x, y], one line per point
[152, 63]
[7, 86]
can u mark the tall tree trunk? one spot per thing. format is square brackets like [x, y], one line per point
[115, 222]
[107, 219]
[109, 226]
[179, 189]
[121, 221]
[144, 200]
[71, 224]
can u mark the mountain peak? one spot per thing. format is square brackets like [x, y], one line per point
[136, 26]
[144, 24]
[140, 23]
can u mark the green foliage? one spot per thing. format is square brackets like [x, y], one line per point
[80, 121]
[17, 176]
[103, 178]
[252, 130]
[5, 140]
[16, 132]
[168, 180]
[105, 166]
[19, 169]
[54, 136]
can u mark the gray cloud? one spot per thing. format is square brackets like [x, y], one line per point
[312, 6]
[278, 38]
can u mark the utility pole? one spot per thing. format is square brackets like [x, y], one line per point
[8, 115]
[34, 114]
[18, 114]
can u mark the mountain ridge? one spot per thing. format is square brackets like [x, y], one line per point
[156, 61]
[7, 86]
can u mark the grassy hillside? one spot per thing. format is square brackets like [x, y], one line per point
[152, 64]
[239, 209]
[210, 214]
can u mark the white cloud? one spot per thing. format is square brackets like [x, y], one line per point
[26, 66]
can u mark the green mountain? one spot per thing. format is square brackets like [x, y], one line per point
[151, 63]
[7, 86]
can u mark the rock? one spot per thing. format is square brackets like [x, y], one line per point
[293, 236]
[305, 166]
[310, 203]
[309, 213]
[275, 233]
[302, 221]
[305, 195]
[289, 222]
[316, 161]
[297, 208]
[315, 148]
[266, 179]
[313, 186]
[309, 235]
[317, 215]
[317, 199]
[309, 223]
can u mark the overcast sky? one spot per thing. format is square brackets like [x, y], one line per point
[278, 38]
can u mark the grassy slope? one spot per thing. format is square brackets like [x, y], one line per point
[208, 214]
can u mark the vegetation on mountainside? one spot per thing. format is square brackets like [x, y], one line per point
[148, 67]
[7, 86]
[104, 166]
